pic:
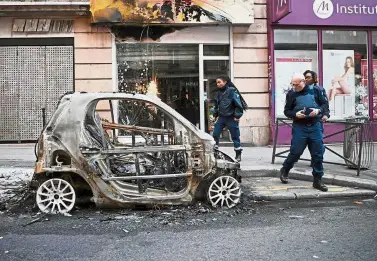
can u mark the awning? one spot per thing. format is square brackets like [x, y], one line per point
[172, 12]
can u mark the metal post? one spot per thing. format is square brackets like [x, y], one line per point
[361, 149]
[275, 141]
[43, 117]
[201, 88]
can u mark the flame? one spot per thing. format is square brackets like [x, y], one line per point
[152, 88]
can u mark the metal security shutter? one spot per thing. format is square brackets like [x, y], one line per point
[34, 78]
[59, 75]
[8, 94]
[31, 82]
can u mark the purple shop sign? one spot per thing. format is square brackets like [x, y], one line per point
[332, 13]
[280, 9]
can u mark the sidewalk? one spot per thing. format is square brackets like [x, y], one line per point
[262, 176]
[258, 159]
[259, 175]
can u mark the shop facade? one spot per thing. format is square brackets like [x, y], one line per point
[173, 57]
[335, 38]
[176, 49]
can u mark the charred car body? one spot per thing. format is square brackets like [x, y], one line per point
[144, 153]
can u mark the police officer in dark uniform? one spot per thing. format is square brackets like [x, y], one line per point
[228, 111]
[306, 106]
[311, 79]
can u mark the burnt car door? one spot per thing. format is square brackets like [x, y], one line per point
[138, 150]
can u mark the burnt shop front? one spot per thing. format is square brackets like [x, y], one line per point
[338, 40]
[173, 49]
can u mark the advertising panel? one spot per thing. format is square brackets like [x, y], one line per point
[340, 82]
[287, 63]
[281, 8]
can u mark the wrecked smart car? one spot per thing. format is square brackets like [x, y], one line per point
[142, 152]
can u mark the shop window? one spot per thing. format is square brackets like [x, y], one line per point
[295, 52]
[345, 72]
[169, 71]
[374, 84]
[216, 50]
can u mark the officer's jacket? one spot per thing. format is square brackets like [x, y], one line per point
[228, 103]
[310, 97]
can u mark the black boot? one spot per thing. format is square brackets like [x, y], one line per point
[238, 155]
[317, 183]
[284, 175]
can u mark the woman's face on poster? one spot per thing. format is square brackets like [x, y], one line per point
[348, 63]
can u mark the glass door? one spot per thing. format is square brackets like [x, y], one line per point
[212, 70]
[214, 61]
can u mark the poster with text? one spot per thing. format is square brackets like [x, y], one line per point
[287, 63]
[364, 71]
[339, 82]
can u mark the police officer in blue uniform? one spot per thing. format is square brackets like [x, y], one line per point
[306, 106]
[228, 111]
[311, 79]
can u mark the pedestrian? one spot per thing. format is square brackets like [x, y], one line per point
[228, 111]
[305, 105]
[311, 79]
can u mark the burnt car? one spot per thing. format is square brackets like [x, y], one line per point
[142, 152]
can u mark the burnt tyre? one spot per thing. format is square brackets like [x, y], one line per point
[55, 196]
[224, 191]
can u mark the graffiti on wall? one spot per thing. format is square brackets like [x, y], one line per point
[172, 11]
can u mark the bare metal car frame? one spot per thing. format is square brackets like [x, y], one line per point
[80, 156]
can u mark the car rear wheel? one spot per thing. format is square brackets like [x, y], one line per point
[224, 191]
[55, 196]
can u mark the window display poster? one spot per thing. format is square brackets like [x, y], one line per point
[287, 63]
[364, 71]
[339, 83]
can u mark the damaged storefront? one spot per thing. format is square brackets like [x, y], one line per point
[173, 49]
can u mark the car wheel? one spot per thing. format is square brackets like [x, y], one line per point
[224, 191]
[55, 196]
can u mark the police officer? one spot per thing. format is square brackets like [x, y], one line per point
[306, 106]
[311, 79]
[228, 111]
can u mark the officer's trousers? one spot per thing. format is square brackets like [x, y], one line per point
[307, 135]
[233, 128]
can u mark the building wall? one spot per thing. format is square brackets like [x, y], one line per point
[93, 60]
[251, 75]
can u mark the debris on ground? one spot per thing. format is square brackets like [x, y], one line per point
[296, 217]
[14, 187]
[33, 221]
